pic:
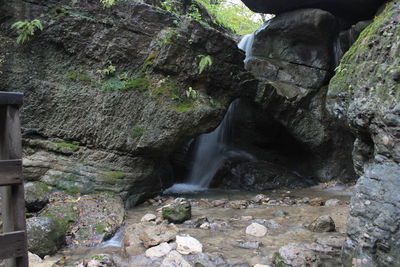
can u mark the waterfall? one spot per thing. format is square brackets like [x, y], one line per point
[246, 45]
[211, 151]
[337, 51]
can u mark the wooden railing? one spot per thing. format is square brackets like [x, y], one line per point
[13, 240]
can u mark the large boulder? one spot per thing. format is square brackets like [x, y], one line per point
[87, 129]
[351, 9]
[293, 57]
[45, 236]
[364, 96]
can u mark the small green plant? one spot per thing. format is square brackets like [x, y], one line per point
[136, 131]
[26, 29]
[168, 5]
[184, 107]
[191, 93]
[100, 228]
[194, 13]
[107, 3]
[139, 83]
[205, 61]
[107, 71]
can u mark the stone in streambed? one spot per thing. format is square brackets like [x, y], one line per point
[45, 236]
[322, 224]
[177, 212]
[156, 234]
[148, 218]
[332, 202]
[188, 245]
[174, 259]
[256, 229]
[159, 251]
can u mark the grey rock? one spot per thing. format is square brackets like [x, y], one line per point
[247, 244]
[45, 236]
[177, 212]
[364, 97]
[36, 195]
[322, 224]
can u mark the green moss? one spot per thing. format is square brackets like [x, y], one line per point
[136, 131]
[112, 177]
[100, 228]
[183, 107]
[141, 83]
[149, 62]
[168, 37]
[278, 260]
[64, 214]
[79, 75]
[113, 84]
[65, 145]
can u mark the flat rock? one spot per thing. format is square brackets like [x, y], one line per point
[188, 245]
[156, 234]
[247, 244]
[256, 229]
[159, 251]
[332, 202]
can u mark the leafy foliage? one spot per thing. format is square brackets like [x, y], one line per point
[26, 29]
[191, 93]
[110, 69]
[107, 3]
[205, 61]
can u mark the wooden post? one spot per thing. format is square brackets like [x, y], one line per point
[13, 241]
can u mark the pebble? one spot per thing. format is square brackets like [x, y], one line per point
[148, 218]
[158, 251]
[332, 202]
[205, 226]
[256, 230]
[247, 244]
[188, 245]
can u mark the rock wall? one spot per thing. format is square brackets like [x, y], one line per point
[365, 96]
[293, 56]
[84, 131]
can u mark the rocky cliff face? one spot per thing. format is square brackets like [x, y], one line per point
[365, 96]
[88, 130]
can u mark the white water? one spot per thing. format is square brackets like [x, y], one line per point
[115, 241]
[211, 151]
[246, 45]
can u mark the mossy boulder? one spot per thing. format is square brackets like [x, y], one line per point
[45, 235]
[177, 212]
[36, 195]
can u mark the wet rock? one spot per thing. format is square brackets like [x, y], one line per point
[156, 234]
[294, 255]
[260, 198]
[197, 222]
[219, 202]
[256, 230]
[246, 218]
[247, 244]
[206, 259]
[45, 236]
[238, 204]
[322, 224]
[334, 241]
[177, 212]
[148, 218]
[261, 265]
[281, 213]
[132, 244]
[318, 201]
[204, 203]
[205, 226]
[188, 245]
[36, 196]
[159, 251]
[332, 202]
[174, 259]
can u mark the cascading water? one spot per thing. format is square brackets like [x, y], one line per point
[211, 151]
[246, 45]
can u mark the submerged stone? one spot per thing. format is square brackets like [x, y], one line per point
[177, 212]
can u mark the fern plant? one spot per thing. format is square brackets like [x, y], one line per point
[110, 69]
[107, 3]
[26, 29]
[191, 93]
[205, 61]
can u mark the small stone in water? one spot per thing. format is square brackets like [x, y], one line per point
[205, 226]
[188, 245]
[332, 202]
[148, 218]
[322, 224]
[256, 230]
[174, 259]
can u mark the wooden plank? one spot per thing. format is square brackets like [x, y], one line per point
[11, 98]
[10, 172]
[12, 245]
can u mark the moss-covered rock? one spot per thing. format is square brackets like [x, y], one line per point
[36, 195]
[177, 212]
